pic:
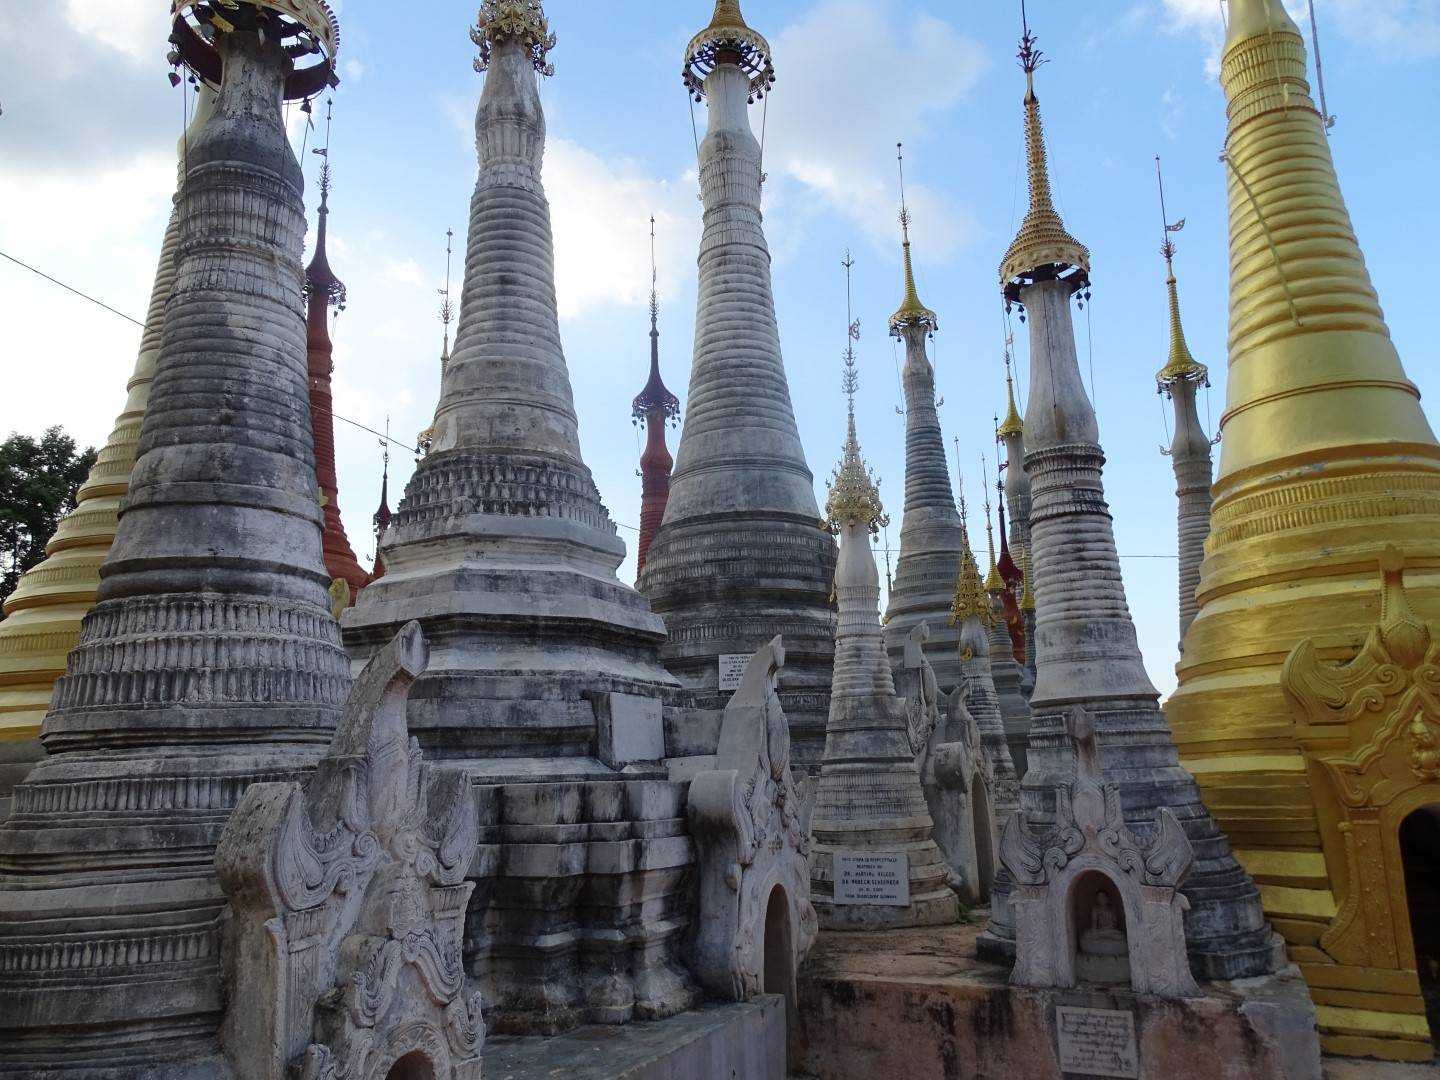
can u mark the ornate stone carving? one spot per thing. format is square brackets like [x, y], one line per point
[1373, 727]
[347, 903]
[1089, 837]
[750, 819]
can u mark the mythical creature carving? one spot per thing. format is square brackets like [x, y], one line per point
[1090, 835]
[750, 819]
[347, 903]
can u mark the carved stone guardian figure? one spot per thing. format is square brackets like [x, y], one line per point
[750, 820]
[347, 904]
[1089, 870]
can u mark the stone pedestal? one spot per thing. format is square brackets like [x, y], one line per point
[921, 997]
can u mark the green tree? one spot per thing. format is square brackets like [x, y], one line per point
[38, 482]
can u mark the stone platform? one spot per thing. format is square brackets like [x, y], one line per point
[919, 1001]
[744, 1041]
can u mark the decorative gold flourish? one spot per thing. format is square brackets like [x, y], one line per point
[970, 600]
[1043, 248]
[1027, 598]
[854, 492]
[522, 19]
[728, 40]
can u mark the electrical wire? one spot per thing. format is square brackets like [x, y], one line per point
[137, 322]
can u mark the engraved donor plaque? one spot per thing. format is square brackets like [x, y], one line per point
[732, 669]
[872, 877]
[1097, 1042]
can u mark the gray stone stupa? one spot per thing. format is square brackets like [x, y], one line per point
[740, 556]
[501, 547]
[1087, 649]
[930, 538]
[210, 661]
[874, 863]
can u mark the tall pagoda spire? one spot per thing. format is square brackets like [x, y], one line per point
[1006, 674]
[210, 661]
[656, 406]
[323, 290]
[740, 556]
[1327, 456]
[1016, 481]
[930, 534]
[1180, 380]
[503, 509]
[1087, 652]
[45, 611]
[869, 798]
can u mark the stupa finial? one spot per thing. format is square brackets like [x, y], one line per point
[1180, 365]
[1043, 248]
[656, 394]
[854, 491]
[728, 40]
[912, 313]
[994, 583]
[306, 29]
[320, 280]
[524, 20]
[1012, 424]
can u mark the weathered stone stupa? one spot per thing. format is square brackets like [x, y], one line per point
[501, 547]
[974, 617]
[210, 660]
[656, 406]
[1180, 380]
[1087, 652]
[43, 614]
[323, 290]
[740, 556]
[874, 863]
[930, 538]
[1319, 774]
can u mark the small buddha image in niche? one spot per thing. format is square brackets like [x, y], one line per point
[1102, 953]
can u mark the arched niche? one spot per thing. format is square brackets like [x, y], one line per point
[1420, 858]
[413, 1066]
[778, 952]
[1098, 936]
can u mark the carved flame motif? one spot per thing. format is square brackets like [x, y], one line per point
[345, 951]
[521, 19]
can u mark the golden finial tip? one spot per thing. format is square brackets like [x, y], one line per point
[728, 39]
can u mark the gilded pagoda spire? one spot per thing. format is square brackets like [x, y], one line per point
[1012, 424]
[1043, 248]
[994, 582]
[854, 497]
[1327, 457]
[911, 313]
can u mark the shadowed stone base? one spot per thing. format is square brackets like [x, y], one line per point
[718, 1041]
[868, 1001]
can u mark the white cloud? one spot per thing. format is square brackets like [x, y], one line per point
[1409, 29]
[352, 69]
[137, 28]
[406, 271]
[835, 133]
[600, 209]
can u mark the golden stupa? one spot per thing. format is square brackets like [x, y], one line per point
[44, 613]
[1305, 708]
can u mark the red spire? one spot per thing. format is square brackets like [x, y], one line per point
[323, 289]
[655, 405]
[1014, 579]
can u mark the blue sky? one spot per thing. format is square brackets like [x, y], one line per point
[86, 169]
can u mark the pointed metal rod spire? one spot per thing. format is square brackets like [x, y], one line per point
[654, 279]
[447, 307]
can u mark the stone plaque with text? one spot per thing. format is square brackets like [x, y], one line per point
[872, 877]
[1097, 1042]
[732, 669]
